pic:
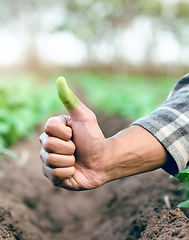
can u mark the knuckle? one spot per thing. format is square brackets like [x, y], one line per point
[57, 173]
[89, 116]
[51, 160]
[51, 124]
[42, 138]
[49, 144]
[41, 154]
[92, 117]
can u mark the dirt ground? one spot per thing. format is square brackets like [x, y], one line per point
[131, 208]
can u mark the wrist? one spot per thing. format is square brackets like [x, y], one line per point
[133, 151]
[122, 160]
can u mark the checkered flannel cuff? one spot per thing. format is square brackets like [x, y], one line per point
[170, 124]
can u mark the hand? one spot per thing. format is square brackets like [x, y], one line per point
[74, 149]
[76, 155]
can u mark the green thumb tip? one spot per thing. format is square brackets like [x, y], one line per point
[67, 97]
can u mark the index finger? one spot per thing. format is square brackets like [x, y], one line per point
[57, 127]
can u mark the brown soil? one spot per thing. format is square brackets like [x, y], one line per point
[131, 208]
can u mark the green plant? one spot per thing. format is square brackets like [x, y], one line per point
[130, 96]
[183, 177]
[22, 107]
[7, 152]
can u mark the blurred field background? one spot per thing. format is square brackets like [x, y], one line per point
[125, 55]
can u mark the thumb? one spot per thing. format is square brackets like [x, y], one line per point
[77, 110]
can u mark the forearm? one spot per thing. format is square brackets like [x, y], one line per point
[132, 151]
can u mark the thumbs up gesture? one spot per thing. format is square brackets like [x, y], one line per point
[75, 154]
[73, 147]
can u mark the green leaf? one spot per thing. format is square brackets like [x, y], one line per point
[183, 176]
[9, 153]
[185, 196]
[185, 185]
[184, 204]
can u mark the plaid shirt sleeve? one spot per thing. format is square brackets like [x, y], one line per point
[170, 125]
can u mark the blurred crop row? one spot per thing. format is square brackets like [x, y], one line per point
[23, 106]
[129, 96]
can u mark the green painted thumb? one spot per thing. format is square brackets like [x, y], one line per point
[67, 97]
